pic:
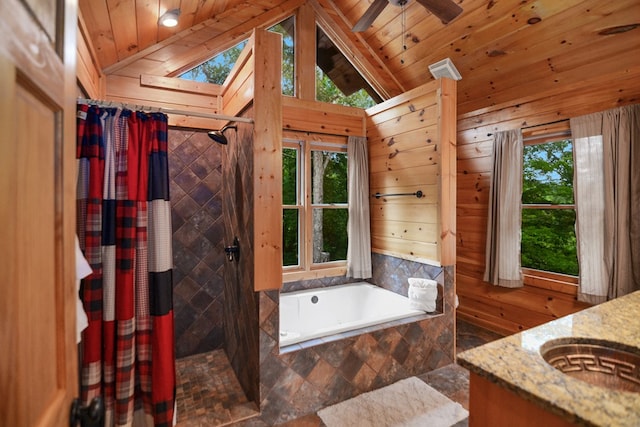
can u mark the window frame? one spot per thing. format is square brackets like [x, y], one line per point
[306, 268]
[543, 279]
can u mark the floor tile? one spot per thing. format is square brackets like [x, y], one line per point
[208, 393]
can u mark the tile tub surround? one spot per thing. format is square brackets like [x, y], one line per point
[393, 273]
[300, 382]
[515, 363]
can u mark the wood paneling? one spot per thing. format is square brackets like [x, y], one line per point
[126, 87]
[182, 85]
[239, 86]
[504, 50]
[319, 117]
[88, 72]
[542, 299]
[412, 147]
[172, 94]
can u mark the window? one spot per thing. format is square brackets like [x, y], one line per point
[216, 69]
[315, 205]
[548, 210]
[287, 29]
[337, 80]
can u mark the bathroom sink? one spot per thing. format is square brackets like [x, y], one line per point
[597, 362]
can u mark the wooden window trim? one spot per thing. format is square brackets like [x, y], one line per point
[547, 206]
[548, 280]
[306, 269]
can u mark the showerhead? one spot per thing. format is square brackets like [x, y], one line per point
[218, 135]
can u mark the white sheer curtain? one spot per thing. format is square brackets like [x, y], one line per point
[502, 257]
[619, 129]
[589, 201]
[359, 247]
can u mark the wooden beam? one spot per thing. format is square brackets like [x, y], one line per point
[448, 153]
[305, 53]
[267, 160]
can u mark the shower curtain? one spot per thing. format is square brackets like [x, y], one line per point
[124, 228]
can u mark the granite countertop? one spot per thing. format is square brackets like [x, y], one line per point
[515, 363]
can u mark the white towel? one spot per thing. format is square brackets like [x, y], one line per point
[82, 270]
[423, 294]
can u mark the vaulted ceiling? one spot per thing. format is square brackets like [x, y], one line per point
[504, 49]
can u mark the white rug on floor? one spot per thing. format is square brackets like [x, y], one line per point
[409, 402]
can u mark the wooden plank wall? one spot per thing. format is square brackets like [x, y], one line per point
[322, 118]
[512, 310]
[406, 155]
[169, 93]
[89, 75]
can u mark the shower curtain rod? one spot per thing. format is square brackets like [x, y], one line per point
[135, 107]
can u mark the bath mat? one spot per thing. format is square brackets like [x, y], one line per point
[409, 402]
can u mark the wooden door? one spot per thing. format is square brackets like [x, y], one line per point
[38, 361]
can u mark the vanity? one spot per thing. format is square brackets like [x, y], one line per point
[511, 383]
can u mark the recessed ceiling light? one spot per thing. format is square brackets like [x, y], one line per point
[169, 18]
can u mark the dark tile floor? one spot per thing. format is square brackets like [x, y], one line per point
[208, 393]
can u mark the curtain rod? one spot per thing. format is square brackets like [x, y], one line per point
[135, 107]
[545, 124]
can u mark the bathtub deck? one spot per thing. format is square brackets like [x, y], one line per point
[209, 394]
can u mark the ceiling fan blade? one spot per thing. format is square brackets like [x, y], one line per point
[446, 10]
[370, 15]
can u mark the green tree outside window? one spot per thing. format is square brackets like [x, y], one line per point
[548, 213]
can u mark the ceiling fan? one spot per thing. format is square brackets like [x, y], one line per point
[446, 10]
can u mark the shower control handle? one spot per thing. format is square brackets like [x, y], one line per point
[233, 251]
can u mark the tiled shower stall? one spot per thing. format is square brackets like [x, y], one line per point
[216, 307]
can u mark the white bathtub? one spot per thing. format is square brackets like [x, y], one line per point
[321, 312]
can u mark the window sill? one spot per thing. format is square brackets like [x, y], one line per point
[551, 281]
[316, 273]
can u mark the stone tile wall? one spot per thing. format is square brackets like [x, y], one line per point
[393, 273]
[196, 213]
[241, 303]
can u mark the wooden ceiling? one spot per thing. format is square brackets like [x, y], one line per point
[503, 49]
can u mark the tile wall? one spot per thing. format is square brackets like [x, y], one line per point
[241, 304]
[196, 213]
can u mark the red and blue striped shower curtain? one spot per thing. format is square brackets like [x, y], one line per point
[124, 228]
